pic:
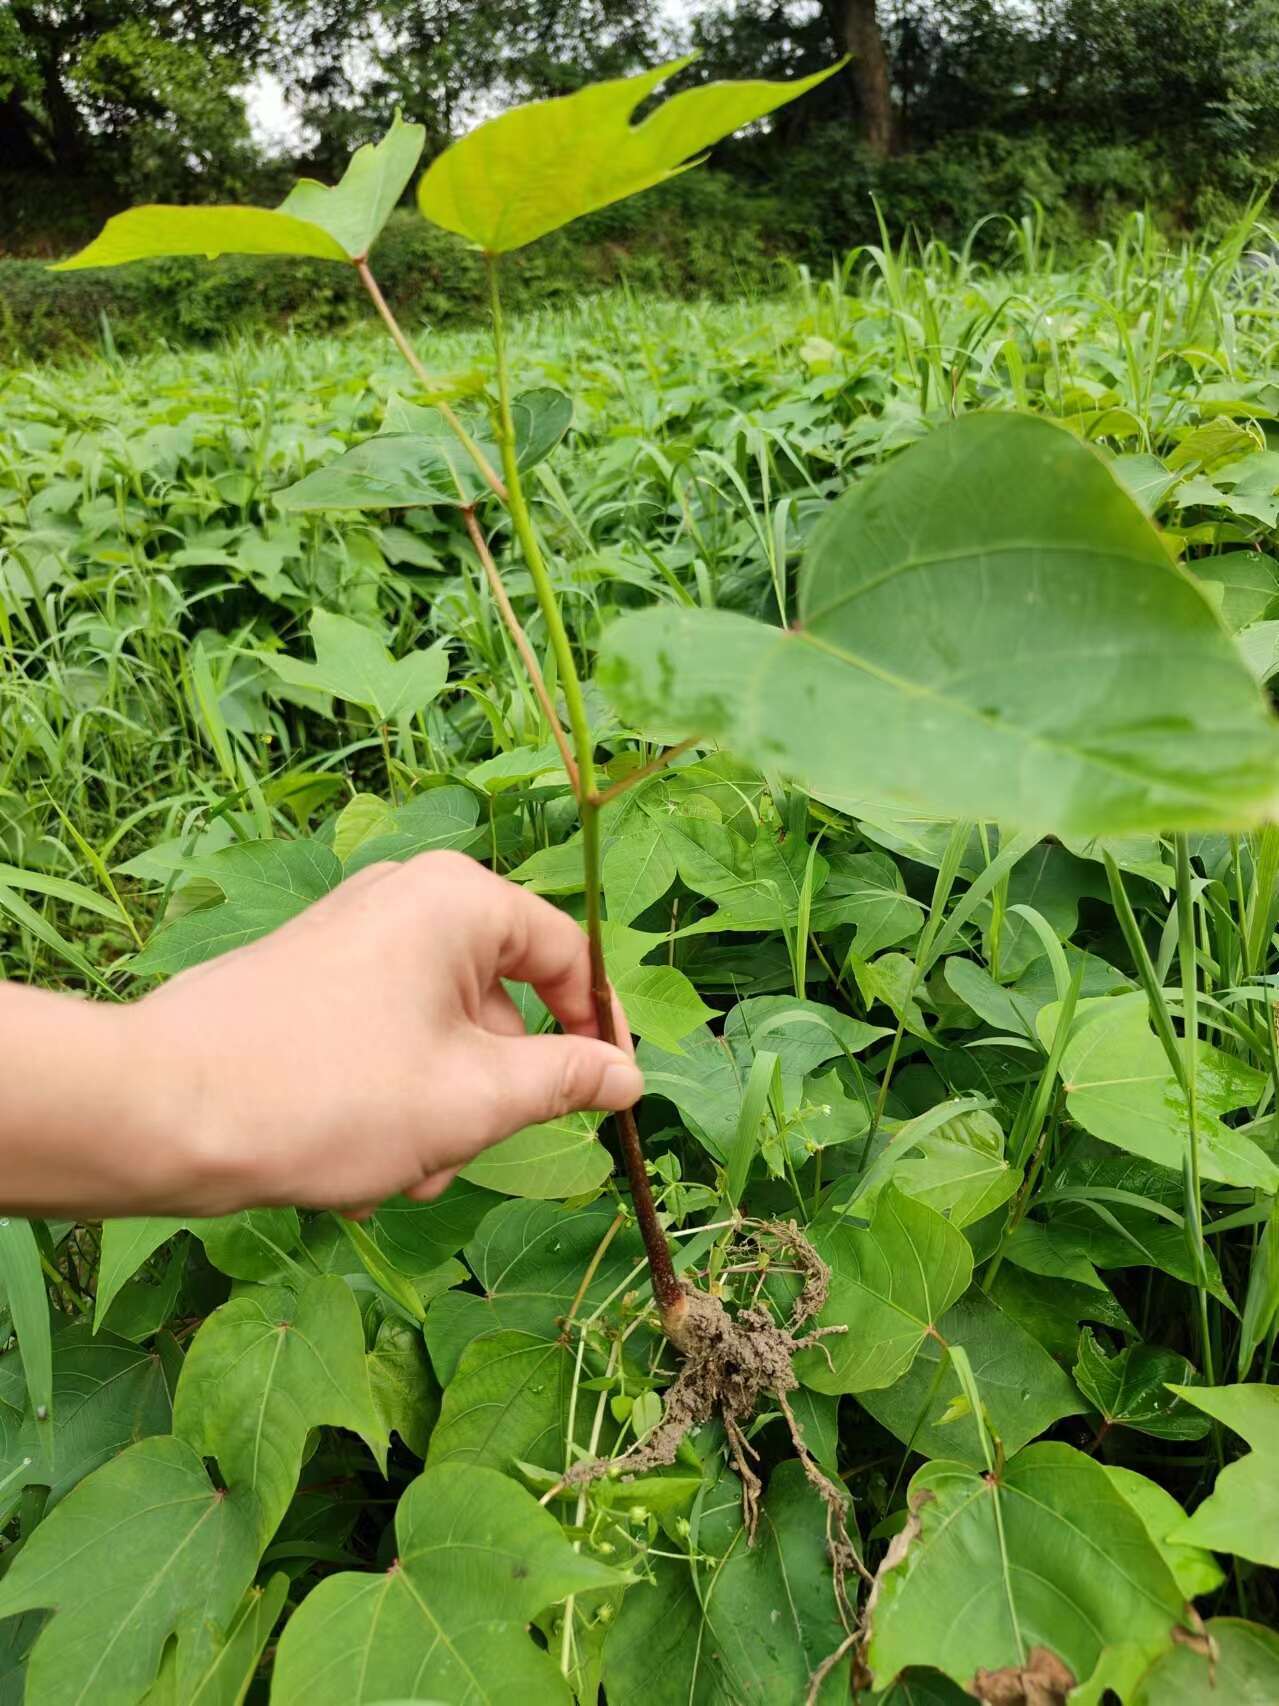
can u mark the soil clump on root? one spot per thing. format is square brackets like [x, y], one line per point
[731, 1363]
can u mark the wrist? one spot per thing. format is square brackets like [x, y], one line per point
[74, 1134]
[178, 1116]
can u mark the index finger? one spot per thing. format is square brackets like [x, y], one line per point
[527, 940]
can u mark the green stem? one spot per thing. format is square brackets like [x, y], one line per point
[1190, 1044]
[667, 1291]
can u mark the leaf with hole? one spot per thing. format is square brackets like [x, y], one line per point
[1046, 1554]
[536, 167]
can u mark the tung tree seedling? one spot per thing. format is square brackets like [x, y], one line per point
[516, 178]
[986, 629]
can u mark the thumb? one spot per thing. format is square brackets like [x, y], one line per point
[539, 1078]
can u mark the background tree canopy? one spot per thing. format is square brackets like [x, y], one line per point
[1060, 113]
[150, 99]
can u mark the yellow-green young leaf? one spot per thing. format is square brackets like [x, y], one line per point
[354, 211]
[336, 224]
[143, 233]
[475, 1562]
[362, 818]
[145, 1548]
[265, 1369]
[661, 1004]
[989, 628]
[538, 166]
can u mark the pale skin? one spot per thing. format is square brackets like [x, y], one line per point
[364, 1049]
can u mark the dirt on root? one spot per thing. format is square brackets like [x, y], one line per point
[732, 1363]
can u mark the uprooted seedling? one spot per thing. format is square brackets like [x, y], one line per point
[731, 1364]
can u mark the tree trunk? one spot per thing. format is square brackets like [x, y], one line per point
[869, 71]
[19, 145]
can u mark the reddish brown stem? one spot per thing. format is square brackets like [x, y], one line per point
[424, 379]
[667, 1291]
[646, 770]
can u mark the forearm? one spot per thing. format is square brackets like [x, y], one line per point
[82, 1109]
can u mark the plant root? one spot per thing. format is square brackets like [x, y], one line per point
[730, 1364]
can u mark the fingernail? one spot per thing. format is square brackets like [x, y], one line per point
[621, 1085]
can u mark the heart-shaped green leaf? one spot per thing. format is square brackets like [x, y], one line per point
[536, 167]
[890, 1283]
[1132, 1389]
[562, 1158]
[475, 1562]
[1120, 1087]
[1046, 1554]
[1022, 1389]
[529, 1258]
[107, 1395]
[989, 628]
[265, 884]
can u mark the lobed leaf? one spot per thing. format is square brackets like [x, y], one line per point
[337, 224]
[143, 1549]
[265, 1369]
[539, 166]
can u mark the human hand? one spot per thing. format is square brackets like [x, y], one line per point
[367, 1047]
